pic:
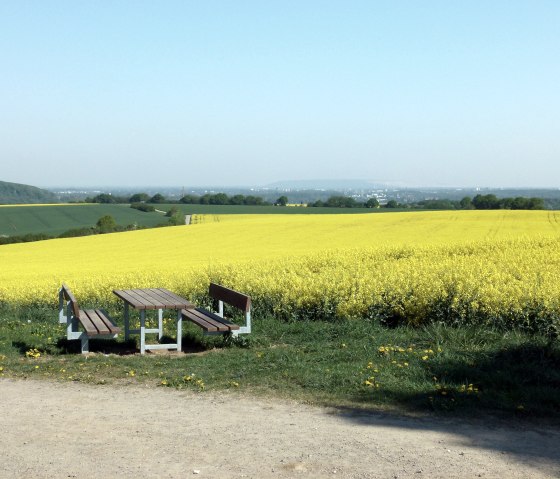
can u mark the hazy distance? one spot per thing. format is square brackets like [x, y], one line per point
[251, 93]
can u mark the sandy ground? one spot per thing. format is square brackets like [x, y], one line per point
[55, 430]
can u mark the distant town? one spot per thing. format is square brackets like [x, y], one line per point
[311, 192]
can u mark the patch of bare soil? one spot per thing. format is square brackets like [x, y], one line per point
[58, 430]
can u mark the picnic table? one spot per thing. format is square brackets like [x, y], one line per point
[144, 299]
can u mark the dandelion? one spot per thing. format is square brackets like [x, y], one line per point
[33, 353]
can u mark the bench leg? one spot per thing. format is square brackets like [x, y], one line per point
[142, 331]
[179, 331]
[126, 322]
[85, 344]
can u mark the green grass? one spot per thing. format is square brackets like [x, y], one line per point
[346, 364]
[54, 220]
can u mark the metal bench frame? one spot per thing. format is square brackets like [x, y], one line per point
[72, 319]
[221, 295]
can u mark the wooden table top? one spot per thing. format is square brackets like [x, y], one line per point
[152, 298]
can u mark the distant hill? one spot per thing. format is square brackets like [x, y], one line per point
[14, 193]
[341, 184]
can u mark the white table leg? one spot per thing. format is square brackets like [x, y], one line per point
[142, 331]
[160, 322]
[179, 331]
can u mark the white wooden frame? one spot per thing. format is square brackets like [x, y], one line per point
[159, 330]
[246, 329]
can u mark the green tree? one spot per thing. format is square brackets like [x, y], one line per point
[486, 202]
[253, 200]
[535, 204]
[190, 199]
[372, 203]
[139, 198]
[282, 201]
[237, 200]
[392, 204]
[106, 224]
[176, 219]
[341, 202]
[157, 198]
[219, 199]
[104, 198]
[143, 207]
[172, 212]
[466, 203]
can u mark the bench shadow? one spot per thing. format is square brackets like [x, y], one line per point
[103, 346]
[516, 409]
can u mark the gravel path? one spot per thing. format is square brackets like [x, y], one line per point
[58, 430]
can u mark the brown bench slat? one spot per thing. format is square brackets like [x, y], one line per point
[221, 323]
[87, 323]
[113, 328]
[97, 322]
[198, 320]
[239, 300]
[204, 319]
[208, 320]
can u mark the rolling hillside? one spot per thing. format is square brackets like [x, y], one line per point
[14, 193]
[55, 219]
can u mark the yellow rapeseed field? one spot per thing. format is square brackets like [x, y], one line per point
[477, 266]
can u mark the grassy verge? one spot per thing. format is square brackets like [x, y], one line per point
[353, 363]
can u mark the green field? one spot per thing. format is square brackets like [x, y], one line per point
[55, 219]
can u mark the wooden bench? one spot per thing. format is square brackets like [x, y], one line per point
[95, 322]
[214, 322]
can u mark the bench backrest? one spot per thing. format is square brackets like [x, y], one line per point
[229, 296]
[68, 296]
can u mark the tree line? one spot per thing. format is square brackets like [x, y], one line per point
[479, 202]
[206, 199]
[484, 202]
[145, 202]
[105, 224]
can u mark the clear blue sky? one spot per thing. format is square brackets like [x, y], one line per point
[191, 93]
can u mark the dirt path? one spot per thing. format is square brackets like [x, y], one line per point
[54, 430]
